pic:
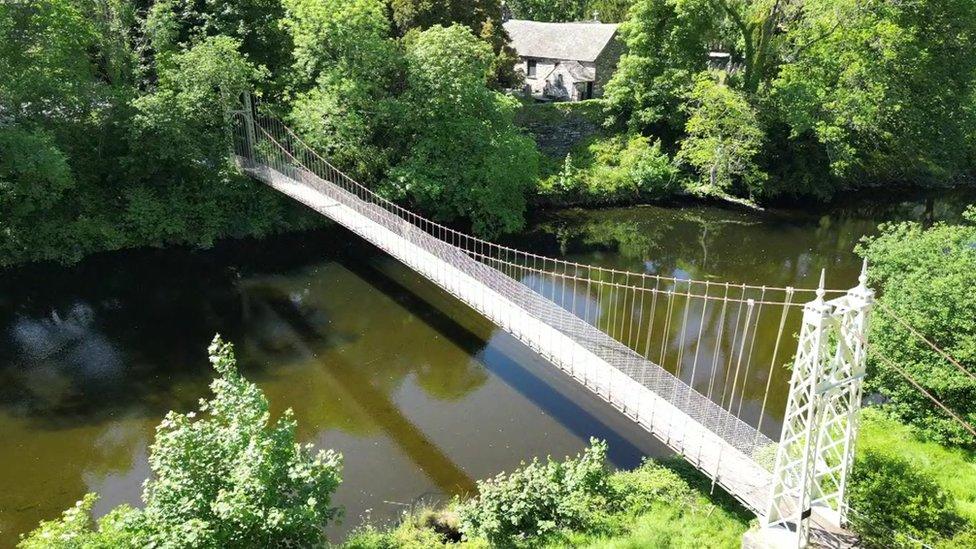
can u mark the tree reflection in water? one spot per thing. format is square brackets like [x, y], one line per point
[92, 356]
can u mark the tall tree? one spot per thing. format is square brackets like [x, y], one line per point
[483, 17]
[666, 44]
[466, 157]
[349, 70]
[723, 139]
[175, 25]
[885, 87]
[607, 11]
[548, 10]
[753, 35]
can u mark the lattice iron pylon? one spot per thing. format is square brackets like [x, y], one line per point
[816, 449]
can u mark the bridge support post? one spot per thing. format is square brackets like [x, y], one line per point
[250, 137]
[816, 449]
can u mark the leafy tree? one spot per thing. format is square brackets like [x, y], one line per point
[752, 33]
[847, 92]
[466, 157]
[483, 17]
[665, 44]
[723, 138]
[227, 479]
[345, 53]
[48, 75]
[180, 137]
[884, 87]
[926, 277]
[669, 40]
[34, 179]
[423, 14]
[548, 10]
[173, 26]
[62, 99]
[607, 11]
[337, 35]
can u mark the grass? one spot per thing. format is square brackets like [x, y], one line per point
[664, 525]
[952, 468]
[669, 505]
[662, 505]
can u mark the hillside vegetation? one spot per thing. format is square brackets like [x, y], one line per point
[114, 128]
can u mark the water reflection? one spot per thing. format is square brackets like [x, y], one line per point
[60, 353]
[735, 353]
[421, 394]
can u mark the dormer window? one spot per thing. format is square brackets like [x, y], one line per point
[530, 68]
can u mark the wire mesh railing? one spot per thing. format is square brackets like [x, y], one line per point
[713, 350]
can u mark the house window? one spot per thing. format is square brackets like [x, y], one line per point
[589, 90]
[530, 67]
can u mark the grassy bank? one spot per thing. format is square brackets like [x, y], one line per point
[660, 504]
[667, 504]
[954, 469]
[906, 491]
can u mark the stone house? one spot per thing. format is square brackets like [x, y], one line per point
[565, 61]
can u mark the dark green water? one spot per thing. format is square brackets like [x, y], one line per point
[420, 394]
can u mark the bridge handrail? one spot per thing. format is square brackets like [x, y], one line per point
[473, 243]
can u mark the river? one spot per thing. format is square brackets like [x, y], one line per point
[420, 394]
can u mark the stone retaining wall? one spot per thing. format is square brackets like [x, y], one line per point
[558, 127]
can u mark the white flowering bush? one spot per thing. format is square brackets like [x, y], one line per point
[229, 478]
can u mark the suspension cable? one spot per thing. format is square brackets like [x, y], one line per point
[891, 363]
[881, 305]
[433, 226]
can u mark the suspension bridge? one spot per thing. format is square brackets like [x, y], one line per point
[682, 358]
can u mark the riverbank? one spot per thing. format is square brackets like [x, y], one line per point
[589, 162]
[667, 504]
[661, 504]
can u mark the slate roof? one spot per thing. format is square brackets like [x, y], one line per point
[576, 41]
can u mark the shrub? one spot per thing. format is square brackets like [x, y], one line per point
[621, 168]
[895, 503]
[723, 139]
[925, 276]
[648, 167]
[539, 499]
[570, 177]
[638, 490]
[225, 480]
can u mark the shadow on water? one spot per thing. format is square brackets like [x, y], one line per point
[373, 358]
[559, 405]
[375, 403]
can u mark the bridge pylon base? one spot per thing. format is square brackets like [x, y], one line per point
[824, 531]
[769, 538]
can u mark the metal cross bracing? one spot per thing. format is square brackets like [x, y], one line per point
[677, 356]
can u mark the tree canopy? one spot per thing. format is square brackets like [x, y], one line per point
[114, 126]
[844, 92]
[113, 115]
[447, 97]
[926, 277]
[229, 478]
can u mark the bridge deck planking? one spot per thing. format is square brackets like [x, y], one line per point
[682, 418]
